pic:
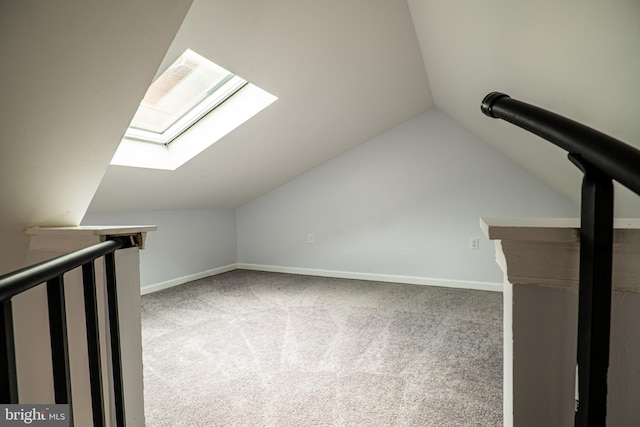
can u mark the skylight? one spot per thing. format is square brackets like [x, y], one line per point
[190, 88]
[190, 106]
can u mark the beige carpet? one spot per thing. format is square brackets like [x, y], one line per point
[263, 349]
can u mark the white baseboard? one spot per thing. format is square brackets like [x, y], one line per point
[411, 280]
[184, 279]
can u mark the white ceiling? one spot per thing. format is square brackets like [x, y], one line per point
[345, 71]
[578, 58]
[66, 97]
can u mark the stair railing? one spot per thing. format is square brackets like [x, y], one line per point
[51, 273]
[602, 159]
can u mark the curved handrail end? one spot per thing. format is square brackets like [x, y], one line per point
[489, 100]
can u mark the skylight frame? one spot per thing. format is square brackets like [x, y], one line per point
[222, 91]
[236, 103]
[204, 107]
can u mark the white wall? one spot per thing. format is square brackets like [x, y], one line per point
[405, 203]
[188, 242]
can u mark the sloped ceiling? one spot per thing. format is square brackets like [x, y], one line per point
[344, 72]
[577, 58]
[72, 75]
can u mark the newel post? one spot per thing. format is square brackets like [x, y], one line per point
[540, 259]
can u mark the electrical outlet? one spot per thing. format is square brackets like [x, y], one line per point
[311, 238]
[474, 243]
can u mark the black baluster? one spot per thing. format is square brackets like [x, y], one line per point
[93, 343]
[8, 372]
[59, 340]
[594, 306]
[114, 331]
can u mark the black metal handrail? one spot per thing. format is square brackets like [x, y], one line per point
[52, 273]
[613, 157]
[602, 159]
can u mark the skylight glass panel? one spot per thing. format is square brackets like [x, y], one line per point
[191, 106]
[189, 89]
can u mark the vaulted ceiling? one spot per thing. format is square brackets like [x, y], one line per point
[72, 74]
[577, 58]
[344, 72]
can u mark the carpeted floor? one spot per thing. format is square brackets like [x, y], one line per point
[249, 348]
